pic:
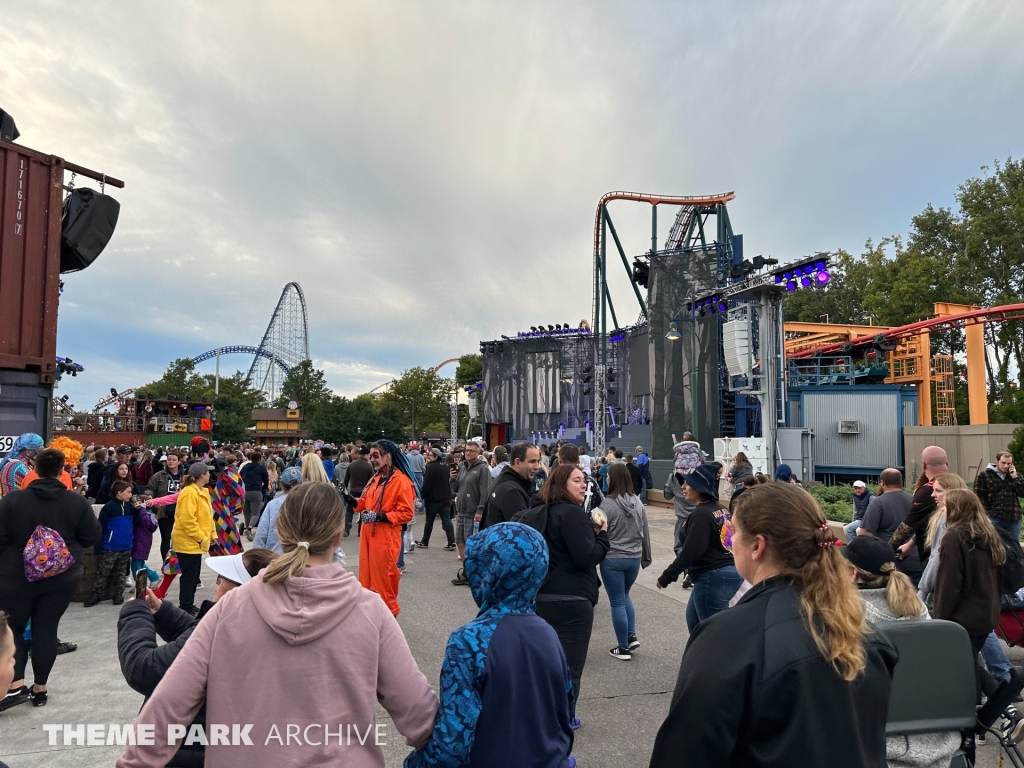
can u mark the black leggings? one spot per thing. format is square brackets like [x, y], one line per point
[166, 526]
[442, 508]
[44, 602]
[573, 621]
[190, 565]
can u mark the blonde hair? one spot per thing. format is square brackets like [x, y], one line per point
[312, 515]
[949, 482]
[802, 545]
[964, 510]
[899, 590]
[313, 469]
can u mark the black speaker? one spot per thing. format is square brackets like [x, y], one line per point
[89, 221]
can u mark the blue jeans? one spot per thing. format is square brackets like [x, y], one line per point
[618, 575]
[711, 593]
[1005, 525]
[851, 529]
[995, 659]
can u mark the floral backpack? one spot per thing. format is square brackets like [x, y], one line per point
[46, 555]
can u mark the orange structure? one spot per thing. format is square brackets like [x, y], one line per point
[909, 352]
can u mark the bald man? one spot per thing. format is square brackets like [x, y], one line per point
[935, 463]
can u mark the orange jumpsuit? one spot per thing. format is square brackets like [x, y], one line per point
[380, 543]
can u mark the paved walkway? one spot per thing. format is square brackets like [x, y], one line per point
[622, 703]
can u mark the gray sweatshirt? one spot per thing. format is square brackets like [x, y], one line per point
[470, 488]
[627, 528]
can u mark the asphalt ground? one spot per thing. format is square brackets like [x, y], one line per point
[622, 703]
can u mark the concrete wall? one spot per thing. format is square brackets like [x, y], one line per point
[969, 447]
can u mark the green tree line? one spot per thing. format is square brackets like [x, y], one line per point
[415, 402]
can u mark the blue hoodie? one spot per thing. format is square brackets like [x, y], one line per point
[504, 682]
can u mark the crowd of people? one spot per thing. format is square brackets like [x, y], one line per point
[776, 599]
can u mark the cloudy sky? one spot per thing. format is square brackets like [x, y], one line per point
[429, 172]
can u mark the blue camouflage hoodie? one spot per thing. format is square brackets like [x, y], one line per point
[504, 682]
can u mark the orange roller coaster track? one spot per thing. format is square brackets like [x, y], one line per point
[946, 323]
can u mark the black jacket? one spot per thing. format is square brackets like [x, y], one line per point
[702, 547]
[436, 487]
[637, 476]
[44, 502]
[753, 690]
[510, 493]
[94, 478]
[574, 552]
[144, 663]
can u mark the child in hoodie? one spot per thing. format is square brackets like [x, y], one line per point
[115, 546]
[504, 682]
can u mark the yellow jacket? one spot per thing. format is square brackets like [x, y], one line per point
[193, 522]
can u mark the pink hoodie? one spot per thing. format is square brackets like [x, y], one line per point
[315, 651]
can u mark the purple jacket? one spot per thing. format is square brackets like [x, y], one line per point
[142, 535]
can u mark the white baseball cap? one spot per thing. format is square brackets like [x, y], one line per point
[859, 484]
[230, 567]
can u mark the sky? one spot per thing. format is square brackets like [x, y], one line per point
[429, 172]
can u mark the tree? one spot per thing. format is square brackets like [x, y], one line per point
[233, 406]
[470, 370]
[180, 381]
[422, 399]
[308, 385]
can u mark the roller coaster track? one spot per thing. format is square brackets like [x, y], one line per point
[982, 316]
[241, 349]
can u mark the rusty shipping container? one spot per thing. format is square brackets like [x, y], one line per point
[31, 193]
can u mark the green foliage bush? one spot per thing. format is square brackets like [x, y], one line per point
[836, 501]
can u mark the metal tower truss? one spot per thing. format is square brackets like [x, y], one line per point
[688, 232]
[285, 343]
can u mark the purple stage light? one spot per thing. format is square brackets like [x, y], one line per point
[823, 277]
[791, 285]
[778, 279]
[805, 281]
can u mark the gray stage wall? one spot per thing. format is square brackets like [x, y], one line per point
[681, 400]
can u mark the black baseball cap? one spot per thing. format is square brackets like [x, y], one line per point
[869, 554]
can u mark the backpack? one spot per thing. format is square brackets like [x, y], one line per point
[1012, 571]
[535, 517]
[45, 554]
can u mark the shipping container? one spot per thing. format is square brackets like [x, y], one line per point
[24, 406]
[858, 430]
[31, 190]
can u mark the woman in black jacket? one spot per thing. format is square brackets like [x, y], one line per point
[790, 675]
[144, 663]
[44, 503]
[707, 562]
[576, 545]
[437, 498]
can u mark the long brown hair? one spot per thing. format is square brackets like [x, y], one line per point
[949, 482]
[554, 490]
[313, 514]
[802, 545]
[964, 511]
[619, 482]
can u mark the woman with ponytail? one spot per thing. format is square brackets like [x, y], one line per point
[326, 648]
[791, 675]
